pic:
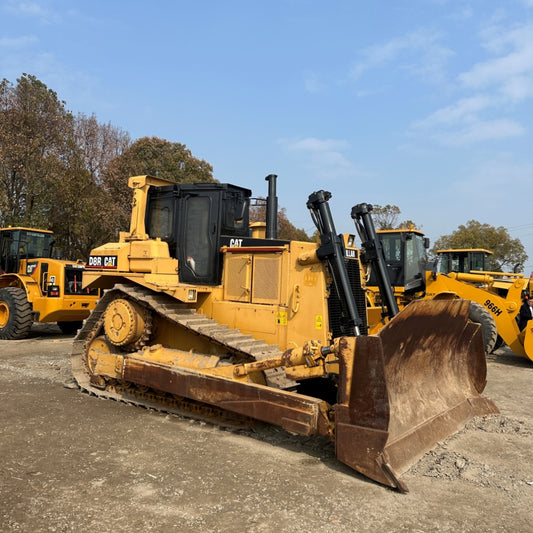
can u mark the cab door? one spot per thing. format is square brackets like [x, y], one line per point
[199, 237]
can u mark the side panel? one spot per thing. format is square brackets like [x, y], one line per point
[273, 297]
[307, 294]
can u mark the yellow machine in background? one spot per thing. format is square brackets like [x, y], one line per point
[199, 315]
[472, 265]
[458, 274]
[36, 287]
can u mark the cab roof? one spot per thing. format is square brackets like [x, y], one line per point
[464, 250]
[10, 228]
[401, 230]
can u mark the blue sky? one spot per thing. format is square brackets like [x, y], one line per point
[424, 104]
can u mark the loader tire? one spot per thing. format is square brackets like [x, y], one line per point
[70, 328]
[499, 343]
[481, 316]
[15, 314]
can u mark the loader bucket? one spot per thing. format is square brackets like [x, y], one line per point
[528, 339]
[402, 391]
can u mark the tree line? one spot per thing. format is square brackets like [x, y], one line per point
[69, 173]
[508, 254]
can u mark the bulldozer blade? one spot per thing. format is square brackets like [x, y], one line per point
[414, 384]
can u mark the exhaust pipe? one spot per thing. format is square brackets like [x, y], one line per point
[271, 208]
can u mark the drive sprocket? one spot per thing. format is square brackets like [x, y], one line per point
[127, 324]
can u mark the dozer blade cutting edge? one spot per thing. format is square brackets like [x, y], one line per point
[400, 392]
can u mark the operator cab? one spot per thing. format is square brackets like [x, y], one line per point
[405, 256]
[22, 243]
[193, 218]
[463, 260]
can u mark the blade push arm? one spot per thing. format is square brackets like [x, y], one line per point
[373, 253]
[332, 250]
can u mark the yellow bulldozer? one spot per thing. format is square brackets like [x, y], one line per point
[36, 287]
[204, 314]
[464, 274]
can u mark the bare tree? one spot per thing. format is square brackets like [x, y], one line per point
[99, 143]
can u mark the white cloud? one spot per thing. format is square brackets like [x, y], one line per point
[312, 82]
[418, 52]
[322, 158]
[512, 72]
[464, 110]
[479, 131]
[518, 88]
[30, 9]
[16, 43]
[460, 123]
[491, 88]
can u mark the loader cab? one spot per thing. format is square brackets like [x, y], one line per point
[192, 218]
[463, 260]
[23, 243]
[406, 258]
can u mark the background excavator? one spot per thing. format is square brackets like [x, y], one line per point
[495, 297]
[34, 286]
[200, 315]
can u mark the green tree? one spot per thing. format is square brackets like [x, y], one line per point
[35, 134]
[157, 157]
[80, 217]
[507, 252]
[84, 215]
[70, 174]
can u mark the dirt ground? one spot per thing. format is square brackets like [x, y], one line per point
[72, 462]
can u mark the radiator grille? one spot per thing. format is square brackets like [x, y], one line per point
[265, 288]
[237, 278]
[334, 304]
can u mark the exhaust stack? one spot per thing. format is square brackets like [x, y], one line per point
[271, 208]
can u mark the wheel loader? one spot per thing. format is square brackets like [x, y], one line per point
[477, 261]
[35, 287]
[206, 315]
[495, 297]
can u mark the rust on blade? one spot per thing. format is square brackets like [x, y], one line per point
[362, 415]
[399, 392]
[415, 383]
